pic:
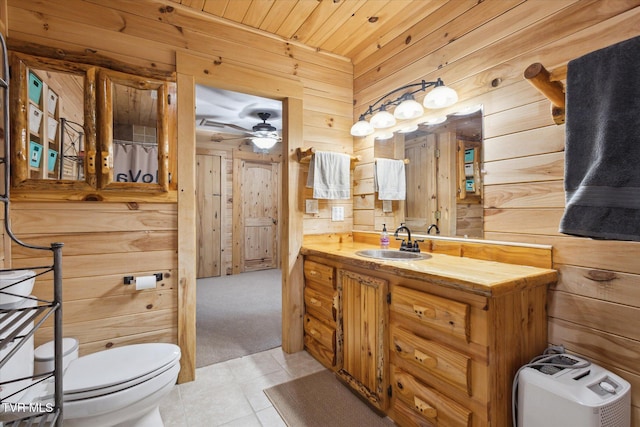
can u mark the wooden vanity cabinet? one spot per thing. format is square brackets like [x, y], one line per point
[364, 335]
[427, 351]
[321, 313]
[453, 353]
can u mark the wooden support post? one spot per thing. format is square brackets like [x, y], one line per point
[540, 78]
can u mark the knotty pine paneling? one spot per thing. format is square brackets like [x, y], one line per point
[106, 241]
[595, 301]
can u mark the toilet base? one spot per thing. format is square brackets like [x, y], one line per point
[143, 413]
[150, 419]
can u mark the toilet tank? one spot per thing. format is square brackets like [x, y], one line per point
[45, 355]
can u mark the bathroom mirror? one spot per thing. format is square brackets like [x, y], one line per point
[98, 132]
[133, 131]
[53, 122]
[443, 163]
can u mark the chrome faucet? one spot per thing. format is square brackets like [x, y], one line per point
[408, 245]
[433, 226]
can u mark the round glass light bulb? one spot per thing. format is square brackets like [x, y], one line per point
[440, 97]
[435, 120]
[408, 109]
[384, 135]
[409, 129]
[468, 110]
[383, 119]
[264, 143]
[362, 128]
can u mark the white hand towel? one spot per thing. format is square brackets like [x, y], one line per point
[329, 175]
[390, 179]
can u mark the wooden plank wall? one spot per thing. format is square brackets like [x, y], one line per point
[594, 308]
[104, 242]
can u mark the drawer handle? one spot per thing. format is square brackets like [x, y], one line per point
[425, 359]
[314, 301]
[424, 408]
[423, 311]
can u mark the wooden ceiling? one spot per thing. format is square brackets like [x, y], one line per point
[323, 24]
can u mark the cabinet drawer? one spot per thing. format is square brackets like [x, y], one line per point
[320, 305]
[319, 331]
[425, 402]
[445, 315]
[438, 360]
[321, 353]
[319, 275]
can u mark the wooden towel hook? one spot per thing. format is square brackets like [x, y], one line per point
[540, 78]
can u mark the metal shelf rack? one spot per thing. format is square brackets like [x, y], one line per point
[18, 326]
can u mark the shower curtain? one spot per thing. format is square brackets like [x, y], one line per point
[135, 163]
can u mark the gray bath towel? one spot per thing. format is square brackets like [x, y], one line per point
[602, 156]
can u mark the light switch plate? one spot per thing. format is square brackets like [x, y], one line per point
[337, 213]
[387, 206]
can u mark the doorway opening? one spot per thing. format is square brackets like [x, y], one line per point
[238, 202]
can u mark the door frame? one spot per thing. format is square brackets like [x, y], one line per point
[225, 75]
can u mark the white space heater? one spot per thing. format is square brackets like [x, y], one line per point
[559, 395]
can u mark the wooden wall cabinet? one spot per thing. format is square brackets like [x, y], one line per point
[364, 335]
[63, 116]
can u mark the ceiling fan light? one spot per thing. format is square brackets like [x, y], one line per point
[383, 119]
[408, 109]
[440, 97]
[264, 143]
[362, 128]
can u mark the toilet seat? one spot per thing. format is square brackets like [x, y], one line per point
[117, 369]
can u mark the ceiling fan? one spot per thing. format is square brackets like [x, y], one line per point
[264, 135]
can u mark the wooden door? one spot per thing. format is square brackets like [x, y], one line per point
[256, 216]
[208, 206]
[363, 331]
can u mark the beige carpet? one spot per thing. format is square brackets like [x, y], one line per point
[238, 315]
[321, 400]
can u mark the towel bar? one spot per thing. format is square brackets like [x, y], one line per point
[304, 156]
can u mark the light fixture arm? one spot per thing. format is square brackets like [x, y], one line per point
[423, 85]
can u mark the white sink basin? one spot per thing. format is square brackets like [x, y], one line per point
[17, 282]
[390, 254]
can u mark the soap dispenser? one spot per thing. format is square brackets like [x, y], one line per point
[384, 237]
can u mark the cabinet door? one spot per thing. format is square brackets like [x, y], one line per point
[364, 319]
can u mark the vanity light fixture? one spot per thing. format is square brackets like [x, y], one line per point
[407, 107]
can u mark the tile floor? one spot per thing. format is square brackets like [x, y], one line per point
[231, 393]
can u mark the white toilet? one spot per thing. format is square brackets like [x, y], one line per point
[117, 387]
[120, 387]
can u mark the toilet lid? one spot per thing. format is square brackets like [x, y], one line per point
[117, 366]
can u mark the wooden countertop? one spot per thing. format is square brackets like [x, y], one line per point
[488, 278]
